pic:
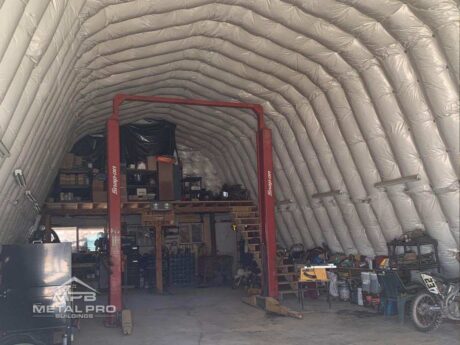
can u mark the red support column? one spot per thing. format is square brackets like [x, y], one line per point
[114, 208]
[267, 208]
[261, 208]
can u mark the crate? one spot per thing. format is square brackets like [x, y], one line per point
[181, 269]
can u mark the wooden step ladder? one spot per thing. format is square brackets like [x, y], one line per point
[287, 279]
[247, 221]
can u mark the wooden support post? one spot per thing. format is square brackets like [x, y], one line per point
[212, 224]
[157, 220]
[159, 256]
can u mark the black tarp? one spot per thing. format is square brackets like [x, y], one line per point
[136, 142]
[139, 141]
[92, 148]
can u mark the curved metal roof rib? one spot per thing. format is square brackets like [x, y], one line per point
[356, 92]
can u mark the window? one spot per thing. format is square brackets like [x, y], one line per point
[197, 233]
[87, 237]
[82, 239]
[191, 233]
[68, 234]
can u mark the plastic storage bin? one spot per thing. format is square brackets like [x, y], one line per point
[366, 281]
[374, 284]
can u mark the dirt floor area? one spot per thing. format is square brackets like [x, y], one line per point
[216, 316]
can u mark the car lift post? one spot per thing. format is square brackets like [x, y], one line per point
[265, 188]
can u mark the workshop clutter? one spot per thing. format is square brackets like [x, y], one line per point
[165, 242]
[99, 189]
[374, 282]
[71, 161]
[192, 190]
[73, 179]
[234, 192]
[178, 269]
[150, 170]
[154, 178]
[73, 182]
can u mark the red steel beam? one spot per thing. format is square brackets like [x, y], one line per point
[266, 207]
[256, 108]
[114, 211]
[265, 187]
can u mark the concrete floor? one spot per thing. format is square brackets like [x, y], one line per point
[216, 316]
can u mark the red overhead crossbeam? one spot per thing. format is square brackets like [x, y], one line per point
[265, 187]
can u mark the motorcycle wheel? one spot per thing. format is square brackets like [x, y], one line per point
[453, 306]
[424, 319]
[236, 283]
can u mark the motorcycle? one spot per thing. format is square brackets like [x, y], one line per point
[440, 299]
[245, 278]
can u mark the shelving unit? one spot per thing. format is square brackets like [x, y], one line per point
[73, 185]
[139, 178]
[191, 187]
[423, 261]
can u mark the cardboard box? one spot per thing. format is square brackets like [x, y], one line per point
[141, 191]
[124, 194]
[98, 185]
[99, 196]
[68, 161]
[68, 179]
[62, 179]
[122, 180]
[77, 161]
[152, 163]
[82, 179]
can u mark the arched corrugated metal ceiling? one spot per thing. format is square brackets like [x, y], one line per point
[356, 92]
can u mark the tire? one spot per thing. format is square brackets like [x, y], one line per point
[453, 306]
[236, 283]
[425, 320]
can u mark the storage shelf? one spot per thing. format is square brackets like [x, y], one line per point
[74, 186]
[140, 186]
[141, 171]
[75, 171]
[74, 201]
[136, 207]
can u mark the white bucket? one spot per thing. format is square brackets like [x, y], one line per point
[344, 291]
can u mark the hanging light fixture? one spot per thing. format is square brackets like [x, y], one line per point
[397, 181]
[30, 196]
[19, 177]
[326, 194]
